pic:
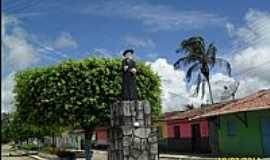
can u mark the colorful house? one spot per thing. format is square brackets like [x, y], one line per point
[186, 135]
[239, 127]
[179, 133]
[73, 139]
[101, 139]
[161, 125]
[242, 127]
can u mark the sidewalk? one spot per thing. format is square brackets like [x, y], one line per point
[183, 157]
[102, 155]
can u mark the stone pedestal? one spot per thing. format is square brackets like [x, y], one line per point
[131, 134]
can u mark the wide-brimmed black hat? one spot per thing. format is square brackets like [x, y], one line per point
[128, 51]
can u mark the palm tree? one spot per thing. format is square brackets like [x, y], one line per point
[199, 61]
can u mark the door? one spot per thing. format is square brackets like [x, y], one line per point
[265, 124]
[196, 137]
[213, 134]
[176, 130]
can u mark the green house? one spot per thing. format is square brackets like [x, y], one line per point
[244, 133]
[241, 127]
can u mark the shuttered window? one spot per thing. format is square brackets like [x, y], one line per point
[231, 126]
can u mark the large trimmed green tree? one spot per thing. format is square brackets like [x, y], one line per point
[78, 93]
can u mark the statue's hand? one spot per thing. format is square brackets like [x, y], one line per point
[133, 70]
[125, 68]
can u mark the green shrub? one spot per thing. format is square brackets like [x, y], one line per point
[29, 146]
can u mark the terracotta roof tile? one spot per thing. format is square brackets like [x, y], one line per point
[193, 112]
[257, 101]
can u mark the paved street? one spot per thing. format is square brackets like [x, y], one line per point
[7, 153]
[10, 154]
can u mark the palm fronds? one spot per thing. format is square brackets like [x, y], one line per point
[183, 61]
[193, 68]
[211, 54]
[200, 60]
[224, 64]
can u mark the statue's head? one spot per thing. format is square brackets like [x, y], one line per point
[128, 53]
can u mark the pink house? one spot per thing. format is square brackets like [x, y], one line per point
[186, 134]
[185, 127]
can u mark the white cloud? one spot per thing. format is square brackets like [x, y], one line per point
[138, 42]
[21, 53]
[65, 40]
[101, 52]
[152, 56]
[174, 91]
[18, 52]
[7, 98]
[256, 30]
[157, 17]
[230, 28]
[251, 60]
[7, 20]
[251, 85]
[250, 64]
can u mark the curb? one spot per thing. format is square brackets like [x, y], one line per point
[37, 157]
[44, 156]
[182, 157]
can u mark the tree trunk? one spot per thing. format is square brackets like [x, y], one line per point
[87, 149]
[210, 91]
[53, 140]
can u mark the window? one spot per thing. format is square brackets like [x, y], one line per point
[176, 131]
[231, 128]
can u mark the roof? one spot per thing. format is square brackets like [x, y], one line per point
[257, 101]
[193, 112]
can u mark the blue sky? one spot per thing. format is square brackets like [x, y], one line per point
[51, 31]
[109, 24]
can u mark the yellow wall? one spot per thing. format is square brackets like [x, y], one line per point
[163, 125]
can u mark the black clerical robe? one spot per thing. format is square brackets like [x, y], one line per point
[129, 80]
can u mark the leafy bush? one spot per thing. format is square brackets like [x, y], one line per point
[29, 146]
[18, 130]
[5, 134]
[79, 93]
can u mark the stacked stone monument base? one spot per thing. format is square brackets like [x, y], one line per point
[131, 134]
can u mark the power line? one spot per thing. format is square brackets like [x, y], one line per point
[50, 50]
